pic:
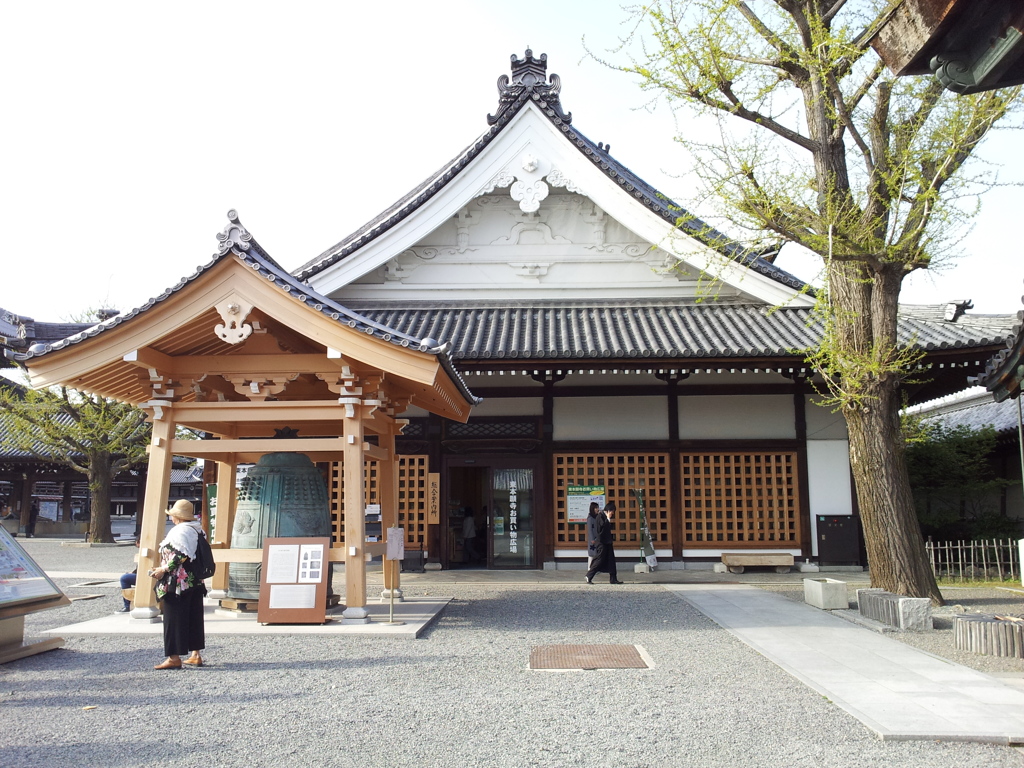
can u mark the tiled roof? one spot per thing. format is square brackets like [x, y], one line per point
[651, 329]
[236, 242]
[19, 333]
[9, 451]
[544, 95]
[976, 414]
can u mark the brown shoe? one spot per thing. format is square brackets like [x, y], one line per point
[195, 660]
[169, 664]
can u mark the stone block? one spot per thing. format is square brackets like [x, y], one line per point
[906, 613]
[641, 568]
[827, 594]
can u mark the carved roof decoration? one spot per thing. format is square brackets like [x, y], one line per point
[1004, 373]
[529, 77]
[236, 242]
[513, 99]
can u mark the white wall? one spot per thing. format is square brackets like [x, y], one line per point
[611, 418]
[509, 406]
[822, 422]
[830, 488]
[752, 417]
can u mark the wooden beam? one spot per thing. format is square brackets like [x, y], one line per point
[195, 366]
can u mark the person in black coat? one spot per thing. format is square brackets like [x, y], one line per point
[592, 533]
[604, 560]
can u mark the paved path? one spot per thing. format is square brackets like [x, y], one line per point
[896, 690]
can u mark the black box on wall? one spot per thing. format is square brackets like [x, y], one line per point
[839, 540]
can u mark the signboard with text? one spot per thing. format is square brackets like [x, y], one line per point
[293, 584]
[578, 499]
[433, 498]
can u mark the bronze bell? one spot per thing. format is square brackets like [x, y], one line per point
[283, 495]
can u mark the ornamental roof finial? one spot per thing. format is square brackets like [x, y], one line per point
[529, 76]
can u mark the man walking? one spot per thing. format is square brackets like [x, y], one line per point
[604, 559]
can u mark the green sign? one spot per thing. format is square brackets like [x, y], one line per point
[578, 499]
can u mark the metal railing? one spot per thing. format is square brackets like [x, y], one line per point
[985, 560]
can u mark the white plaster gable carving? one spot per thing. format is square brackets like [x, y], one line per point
[569, 245]
[528, 141]
[521, 232]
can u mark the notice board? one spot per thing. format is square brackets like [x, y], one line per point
[294, 581]
[24, 587]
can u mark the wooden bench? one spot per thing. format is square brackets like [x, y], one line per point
[737, 561]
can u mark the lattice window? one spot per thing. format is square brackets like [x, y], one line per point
[619, 474]
[412, 496]
[415, 428]
[740, 499]
[487, 429]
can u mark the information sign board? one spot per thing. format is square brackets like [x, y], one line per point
[293, 585]
[578, 499]
[21, 580]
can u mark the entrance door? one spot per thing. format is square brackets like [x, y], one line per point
[501, 497]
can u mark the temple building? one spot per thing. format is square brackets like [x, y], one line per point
[617, 341]
[531, 324]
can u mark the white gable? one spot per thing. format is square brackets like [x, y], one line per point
[532, 217]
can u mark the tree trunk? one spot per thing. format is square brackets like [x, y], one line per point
[892, 534]
[100, 483]
[866, 304]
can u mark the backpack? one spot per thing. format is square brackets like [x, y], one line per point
[205, 566]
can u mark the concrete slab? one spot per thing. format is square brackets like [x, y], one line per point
[896, 690]
[417, 613]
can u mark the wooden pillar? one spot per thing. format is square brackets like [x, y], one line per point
[800, 426]
[677, 531]
[26, 501]
[225, 522]
[435, 431]
[353, 476]
[65, 502]
[388, 484]
[154, 507]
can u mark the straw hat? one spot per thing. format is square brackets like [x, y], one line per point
[182, 509]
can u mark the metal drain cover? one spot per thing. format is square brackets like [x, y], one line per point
[586, 657]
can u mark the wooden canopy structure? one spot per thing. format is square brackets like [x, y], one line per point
[260, 363]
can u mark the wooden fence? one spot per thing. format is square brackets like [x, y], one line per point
[985, 560]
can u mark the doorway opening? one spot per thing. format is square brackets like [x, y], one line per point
[466, 534]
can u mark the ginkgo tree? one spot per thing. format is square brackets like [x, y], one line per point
[819, 146]
[99, 437]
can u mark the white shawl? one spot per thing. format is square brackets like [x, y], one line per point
[183, 537]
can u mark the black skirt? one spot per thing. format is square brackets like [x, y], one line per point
[184, 630]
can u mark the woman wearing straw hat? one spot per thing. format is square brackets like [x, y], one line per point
[180, 589]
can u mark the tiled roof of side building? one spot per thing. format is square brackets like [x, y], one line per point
[529, 84]
[651, 329]
[976, 414]
[19, 333]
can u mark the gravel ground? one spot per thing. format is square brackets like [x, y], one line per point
[460, 695]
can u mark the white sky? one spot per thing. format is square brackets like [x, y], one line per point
[129, 129]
